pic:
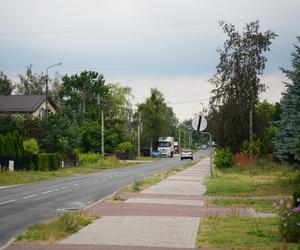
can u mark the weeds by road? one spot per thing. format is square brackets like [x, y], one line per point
[57, 229]
[22, 177]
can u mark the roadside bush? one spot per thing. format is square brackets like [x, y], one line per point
[289, 219]
[257, 148]
[11, 145]
[31, 146]
[47, 162]
[126, 146]
[90, 158]
[224, 158]
[111, 161]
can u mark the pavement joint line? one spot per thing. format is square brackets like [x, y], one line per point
[30, 196]
[6, 202]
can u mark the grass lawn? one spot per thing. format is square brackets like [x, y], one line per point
[259, 179]
[261, 205]
[56, 229]
[241, 233]
[22, 177]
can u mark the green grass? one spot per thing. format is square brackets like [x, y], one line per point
[148, 158]
[56, 229]
[241, 233]
[260, 205]
[22, 177]
[260, 179]
[142, 184]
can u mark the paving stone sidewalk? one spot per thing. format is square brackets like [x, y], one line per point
[164, 216]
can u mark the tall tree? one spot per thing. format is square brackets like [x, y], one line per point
[237, 84]
[6, 85]
[81, 92]
[158, 119]
[287, 143]
[31, 84]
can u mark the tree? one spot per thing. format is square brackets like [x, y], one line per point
[287, 143]
[85, 93]
[6, 85]
[237, 84]
[31, 84]
[158, 119]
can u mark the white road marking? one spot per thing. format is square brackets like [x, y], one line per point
[87, 182]
[76, 184]
[49, 191]
[96, 180]
[63, 187]
[6, 202]
[30, 196]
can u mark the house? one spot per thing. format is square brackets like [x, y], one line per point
[34, 105]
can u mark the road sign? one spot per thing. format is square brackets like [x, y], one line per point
[199, 123]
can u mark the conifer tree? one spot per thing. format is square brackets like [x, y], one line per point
[287, 143]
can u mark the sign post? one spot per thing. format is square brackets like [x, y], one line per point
[199, 123]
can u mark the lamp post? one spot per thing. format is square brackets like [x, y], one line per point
[56, 64]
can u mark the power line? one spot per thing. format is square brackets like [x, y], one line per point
[186, 102]
[138, 27]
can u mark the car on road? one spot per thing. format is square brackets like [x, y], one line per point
[186, 154]
[155, 154]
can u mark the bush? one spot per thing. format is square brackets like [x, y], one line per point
[90, 158]
[111, 161]
[31, 146]
[224, 158]
[47, 162]
[256, 147]
[126, 146]
[289, 219]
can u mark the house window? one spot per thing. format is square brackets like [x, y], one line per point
[42, 113]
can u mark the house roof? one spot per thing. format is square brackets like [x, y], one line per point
[21, 103]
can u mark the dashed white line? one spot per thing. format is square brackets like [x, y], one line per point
[29, 196]
[6, 202]
[76, 184]
[87, 182]
[64, 187]
[49, 191]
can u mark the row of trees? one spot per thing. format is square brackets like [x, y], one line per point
[77, 123]
[236, 118]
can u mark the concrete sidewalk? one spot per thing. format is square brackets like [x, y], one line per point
[166, 216]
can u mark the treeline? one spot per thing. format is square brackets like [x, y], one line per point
[76, 126]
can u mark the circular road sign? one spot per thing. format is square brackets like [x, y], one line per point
[199, 123]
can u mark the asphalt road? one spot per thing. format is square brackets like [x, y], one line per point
[25, 205]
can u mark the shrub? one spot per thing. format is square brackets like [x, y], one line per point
[289, 219]
[90, 158]
[256, 147]
[31, 146]
[47, 162]
[126, 146]
[224, 158]
[111, 161]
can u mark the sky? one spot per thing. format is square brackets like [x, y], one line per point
[167, 44]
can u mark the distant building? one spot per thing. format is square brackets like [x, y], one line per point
[34, 105]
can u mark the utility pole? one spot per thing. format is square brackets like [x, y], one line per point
[179, 140]
[139, 136]
[251, 132]
[102, 127]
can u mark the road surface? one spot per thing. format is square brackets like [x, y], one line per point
[25, 205]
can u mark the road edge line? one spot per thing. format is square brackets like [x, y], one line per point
[12, 240]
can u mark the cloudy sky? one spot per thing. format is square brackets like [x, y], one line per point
[168, 44]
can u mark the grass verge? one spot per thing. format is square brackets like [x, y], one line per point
[260, 205]
[241, 233]
[22, 177]
[142, 184]
[57, 229]
[263, 178]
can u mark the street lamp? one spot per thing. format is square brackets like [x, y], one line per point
[56, 64]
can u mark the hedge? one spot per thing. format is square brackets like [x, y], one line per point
[47, 162]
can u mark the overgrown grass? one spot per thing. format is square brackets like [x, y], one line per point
[142, 184]
[57, 229]
[261, 178]
[22, 177]
[260, 205]
[241, 233]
